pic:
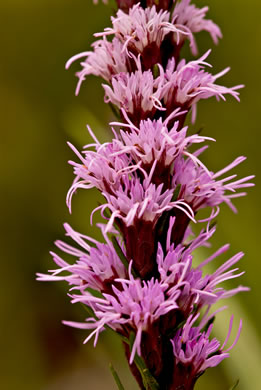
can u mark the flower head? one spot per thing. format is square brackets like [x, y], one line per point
[201, 188]
[133, 307]
[192, 347]
[153, 141]
[96, 266]
[137, 93]
[142, 32]
[197, 290]
[184, 84]
[106, 60]
[103, 168]
[188, 15]
[181, 85]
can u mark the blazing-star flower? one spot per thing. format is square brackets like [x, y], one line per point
[186, 83]
[194, 352]
[154, 141]
[130, 304]
[133, 306]
[175, 269]
[181, 85]
[137, 93]
[199, 187]
[96, 266]
[144, 33]
[143, 281]
[115, 169]
[105, 61]
[186, 14]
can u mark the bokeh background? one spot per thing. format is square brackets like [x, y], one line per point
[39, 113]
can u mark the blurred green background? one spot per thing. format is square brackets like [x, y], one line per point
[39, 113]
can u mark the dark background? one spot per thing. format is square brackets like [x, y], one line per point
[39, 113]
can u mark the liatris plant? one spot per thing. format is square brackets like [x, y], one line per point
[141, 282]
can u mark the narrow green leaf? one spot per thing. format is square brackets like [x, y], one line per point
[123, 338]
[205, 328]
[115, 111]
[176, 193]
[148, 380]
[89, 311]
[131, 339]
[119, 252]
[235, 385]
[155, 71]
[122, 256]
[213, 224]
[172, 9]
[173, 331]
[116, 378]
[95, 293]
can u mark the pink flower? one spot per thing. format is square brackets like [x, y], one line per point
[96, 265]
[175, 267]
[200, 187]
[142, 31]
[133, 306]
[184, 84]
[142, 281]
[194, 352]
[137, 93]
[186, 14]
[106, 60]
[153, 141]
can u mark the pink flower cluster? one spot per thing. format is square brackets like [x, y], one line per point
[147, 287]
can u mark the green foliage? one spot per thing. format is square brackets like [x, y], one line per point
[176, 193]
[148, 380]
[235, 385]
[119, 252]
[121, 255]
[116, 378]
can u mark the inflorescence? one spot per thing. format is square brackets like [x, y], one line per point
[142, 282]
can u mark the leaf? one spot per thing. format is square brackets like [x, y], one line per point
[148, 380]
[235, 385]
[176, 193]
[89, 311]
[173, 331]
[205, 328]
[122, 256]
[116, 377]
[155, 71]
[119, 252]
[123, 338]
[213, 224]
[115, 111]
[95, 293]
